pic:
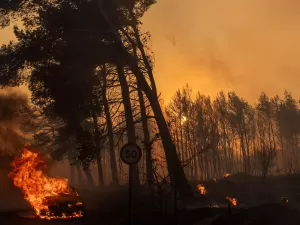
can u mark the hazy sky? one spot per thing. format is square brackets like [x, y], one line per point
[242, 45]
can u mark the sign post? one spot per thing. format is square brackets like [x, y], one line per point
[130, 154]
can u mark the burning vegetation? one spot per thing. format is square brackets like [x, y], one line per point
[201, 189]
[233, 201]
[226, 175]
[51, 198]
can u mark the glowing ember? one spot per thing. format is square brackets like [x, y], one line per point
[233, 201]
[213, 205]
[202, 190]
[226, 175]
[284, 200]
[38, 188]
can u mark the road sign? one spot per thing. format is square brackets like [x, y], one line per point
[131, 154]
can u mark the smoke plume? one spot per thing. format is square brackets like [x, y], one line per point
[248, 46]
[14, 110]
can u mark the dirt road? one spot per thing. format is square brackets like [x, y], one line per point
[11, 219]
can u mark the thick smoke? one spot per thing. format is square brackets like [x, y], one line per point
[14, 110]
[248, 46]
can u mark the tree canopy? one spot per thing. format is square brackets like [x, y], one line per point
[63, 44]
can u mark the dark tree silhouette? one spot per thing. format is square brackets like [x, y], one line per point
[61, 43]
[242, 137]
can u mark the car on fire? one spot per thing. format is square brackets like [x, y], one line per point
[65, 206]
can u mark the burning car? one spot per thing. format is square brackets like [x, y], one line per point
[64, 206]
[51, 198]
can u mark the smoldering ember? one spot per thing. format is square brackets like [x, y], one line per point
[141, 112]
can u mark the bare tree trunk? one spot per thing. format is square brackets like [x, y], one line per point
[173, 163]
[100, 169]
[72, 167]
[112, 155]
[98, 150]
[172, 159]
[244, 154]
[147, 143]
[89, 177]
[195, 155]
[181, 137]
[128, 117]
[72, 174]
[79, 175]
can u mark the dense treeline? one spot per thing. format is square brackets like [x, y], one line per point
[229, 135]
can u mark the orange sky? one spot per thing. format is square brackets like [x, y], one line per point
[247, 46]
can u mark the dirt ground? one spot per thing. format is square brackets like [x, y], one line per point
[266, 214]
[250, 190]
[261, 203]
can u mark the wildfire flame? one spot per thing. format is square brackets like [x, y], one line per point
[202, 190]
[226, 175]
[37, 187]
[233, 201]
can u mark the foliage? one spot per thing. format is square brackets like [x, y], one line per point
[62, 44]
[243, 137]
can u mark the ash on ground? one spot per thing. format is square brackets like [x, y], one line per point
[266, 214]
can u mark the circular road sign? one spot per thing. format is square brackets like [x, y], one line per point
[131, 154]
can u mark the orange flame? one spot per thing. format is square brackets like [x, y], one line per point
[233, 201]
[36, 186]
[202, 190]
[226, 175]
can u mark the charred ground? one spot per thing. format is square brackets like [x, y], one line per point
[261, 204]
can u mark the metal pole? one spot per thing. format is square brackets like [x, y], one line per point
[130, 194]
[229, 209]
